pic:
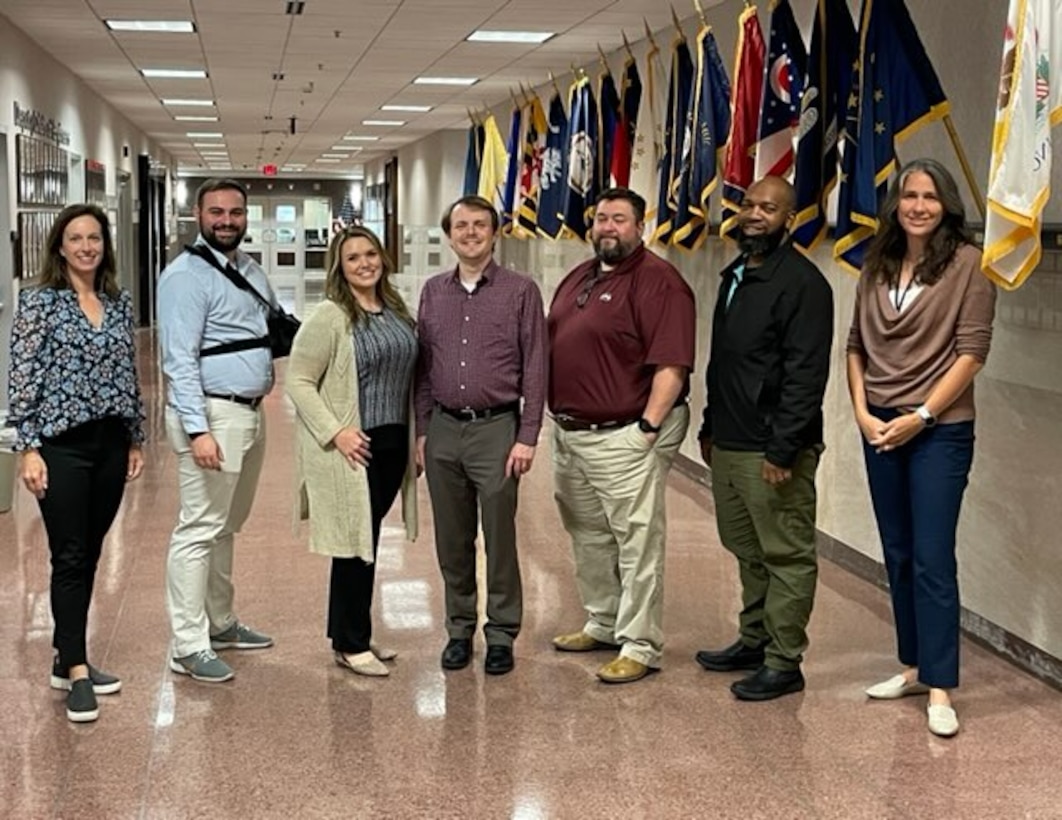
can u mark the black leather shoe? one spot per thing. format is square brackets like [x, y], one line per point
[458, 653]
[499, 660]
[768, 684]
[736, 656]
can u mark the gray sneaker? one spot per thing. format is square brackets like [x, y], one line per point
[240, 636]
[102, 682]
[204, 666]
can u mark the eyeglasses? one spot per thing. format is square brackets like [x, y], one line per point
[588, 288]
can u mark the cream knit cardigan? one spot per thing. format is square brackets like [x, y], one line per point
[322, 382]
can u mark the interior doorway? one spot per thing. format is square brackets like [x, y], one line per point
[288, 237]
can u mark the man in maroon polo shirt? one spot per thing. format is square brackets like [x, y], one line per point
[482, 349]
[622, 332]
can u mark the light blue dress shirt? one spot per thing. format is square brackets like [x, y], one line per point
[198, 307]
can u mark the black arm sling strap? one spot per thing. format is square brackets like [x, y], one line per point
[233, 276]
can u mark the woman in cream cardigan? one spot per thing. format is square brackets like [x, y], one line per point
[349, 377]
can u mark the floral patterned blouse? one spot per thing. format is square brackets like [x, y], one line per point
[65, 372]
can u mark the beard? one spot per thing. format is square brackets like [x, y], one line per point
[219, 244]
[761, 245]
[616, 251]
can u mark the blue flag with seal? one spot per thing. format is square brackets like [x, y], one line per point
[582, 158]
[554, 175]
[473, 157]
[706, 136]
[834, 53]
[609, 114]
[896, 93]
[512, 173]
[678, 111]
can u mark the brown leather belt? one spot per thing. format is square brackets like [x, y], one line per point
[471, 414]
[252, 403]
[573, 425]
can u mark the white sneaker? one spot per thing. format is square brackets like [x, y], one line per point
[896, 687]
[943, 721]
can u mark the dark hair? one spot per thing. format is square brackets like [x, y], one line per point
[886, 252]
[338, 289]
[475, 202]
[53, 270]
[212, 185]
[626, 194]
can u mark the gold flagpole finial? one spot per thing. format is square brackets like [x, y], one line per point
[601, 57]
[649, 33]
[553, 81]
[675, 20]
[626, 44]
[700, 11]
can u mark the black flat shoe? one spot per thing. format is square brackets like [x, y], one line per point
[768, 684]
[736, 656]
[499, 660]
[457, 654]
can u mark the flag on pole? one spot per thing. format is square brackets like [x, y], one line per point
[512, 173]
[608, 103]
[626, 128]
[708, 131]
[473, 157]
[896, 93]
[495, 164]
[834, 52]
[554, 177]
[1029, 106]
[739, 168]
[783, 85]
[678, 104]
[530, 187]
[648, 151]
[582, 158]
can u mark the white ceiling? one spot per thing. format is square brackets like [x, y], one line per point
[340, 61]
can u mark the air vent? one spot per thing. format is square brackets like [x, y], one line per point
[278, 75]
[294, 7]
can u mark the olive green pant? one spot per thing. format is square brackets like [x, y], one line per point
[771, 532]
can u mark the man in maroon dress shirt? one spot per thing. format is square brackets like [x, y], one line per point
[482, 350]
[622, 332]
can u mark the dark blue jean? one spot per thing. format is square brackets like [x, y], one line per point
[917, 493]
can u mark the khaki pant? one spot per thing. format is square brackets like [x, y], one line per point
[771, 531]
[610, 490]
[214, 506]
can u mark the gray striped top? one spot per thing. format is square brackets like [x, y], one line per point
[385, 351]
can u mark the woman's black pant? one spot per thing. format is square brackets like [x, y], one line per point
[87, 466]
[352, 580]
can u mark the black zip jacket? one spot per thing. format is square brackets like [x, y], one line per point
[770, 358]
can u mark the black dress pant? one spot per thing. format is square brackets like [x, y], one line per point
[352, 580]
[86, 478]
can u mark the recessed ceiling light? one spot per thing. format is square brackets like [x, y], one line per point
[350, 148]
[328, 160]
[196, 119]
[484, 36]
[361, 139]
[165, 26]
[336, 156]
[204, 135]
[446, 80]
[174, 73]
[214, 153]
[383, 122]
[208, 145]
[417, 108]
[176, 102]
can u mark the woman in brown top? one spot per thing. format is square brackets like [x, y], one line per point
[921, 332]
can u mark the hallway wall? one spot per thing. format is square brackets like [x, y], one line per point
[1010, 570]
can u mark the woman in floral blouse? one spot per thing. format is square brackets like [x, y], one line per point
[75, 403]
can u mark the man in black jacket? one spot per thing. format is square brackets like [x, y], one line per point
[762, 437]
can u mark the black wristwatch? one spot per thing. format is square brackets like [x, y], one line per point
[646, 427]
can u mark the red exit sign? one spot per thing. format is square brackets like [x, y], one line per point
[269, 170]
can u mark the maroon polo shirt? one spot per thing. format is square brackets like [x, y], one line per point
[603, 355]
[482, 349]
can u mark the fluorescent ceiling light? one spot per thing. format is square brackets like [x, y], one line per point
[383, 122]
[196, 119]
[176, 102]
[204, 135]
[174, 73]
[208, 145]
[446, 80]
[361, 139]
[336, 156]
[215, 153]
[328, 160]
[165, 26]
[417, 108]
[351, 148]
[485, 36]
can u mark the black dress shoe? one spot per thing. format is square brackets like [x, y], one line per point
[736, 656]
[458, 653]
[768, 684]
[499, 660]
